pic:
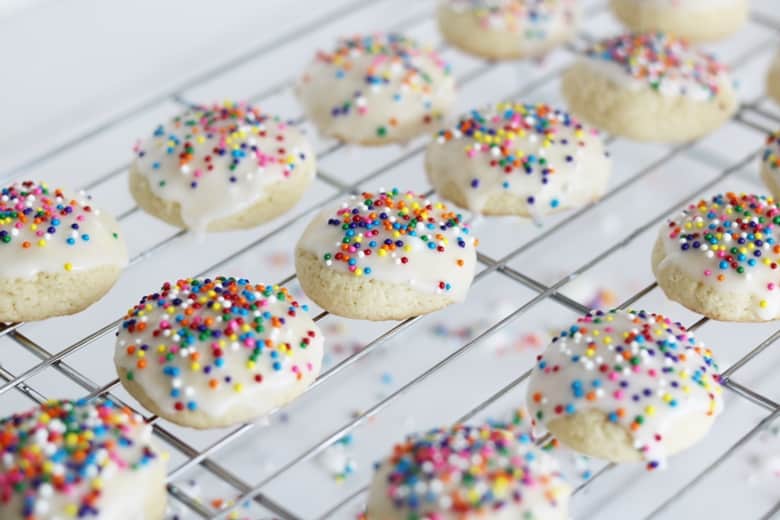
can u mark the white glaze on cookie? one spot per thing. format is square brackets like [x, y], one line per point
[214, 346]
[534, 152]
[376, 87]
[77, 459]
[468, 472]
[51, 230]
[686, 5]
[395, 237]
[731, 243]
[528, 19]
[216, 161]
[641, 370]
[659, 62]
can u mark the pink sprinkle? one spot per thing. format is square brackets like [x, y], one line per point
[707, 272]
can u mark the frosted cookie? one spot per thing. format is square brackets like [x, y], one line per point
[770, 164]
[386, 256]
[650, 87]
[220, 168]
[720, 257]
[207, 353]
[80, 459]
[695, 20]
[773, 79]
[625, 386]
[468, 472]
[518, 159]
[376, 89]
[59, 254]
[507, 29]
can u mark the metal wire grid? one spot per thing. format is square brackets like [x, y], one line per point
[543, 292]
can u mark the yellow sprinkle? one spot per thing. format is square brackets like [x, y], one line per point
[195, 366]
[763, 304]
[68, 266]
[238, 387]
[41, 243]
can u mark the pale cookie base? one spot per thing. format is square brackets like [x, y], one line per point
[501, 203]
[769, 177]
[276, 200]
[362, 298]
[701, 297]
[709, 24]
[380, 507]
[592, 434]
[643, 115]
[773, 83]
[54, 294]
[247, 411]
[463, 30]
[122, 498]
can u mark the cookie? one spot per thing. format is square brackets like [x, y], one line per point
[386, 256]
[625, 386]
[376, 89]
[650, 87]
[518, 159]
[719, 258]
[208, 353]
[770, 164]
[695, 20]
[221, 168]
[59, 254]
[80, 459]
[468, 472]
[773, 79]
[507, 29]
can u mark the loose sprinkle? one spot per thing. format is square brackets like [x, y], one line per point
[771, 156]
[67, 451]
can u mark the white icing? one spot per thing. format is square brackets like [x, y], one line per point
[426, 269]
[285, 366]
[267, 151]
[692, 5]
[584, 362]
[410, 87]
[529, 19]
[575, 153]
[82, 239]
[693, 76]
[708, 263]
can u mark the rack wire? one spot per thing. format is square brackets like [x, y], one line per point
[207, 458]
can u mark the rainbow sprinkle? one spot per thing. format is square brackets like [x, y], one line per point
[223, 139]
[68, 450]
[667, 64]
[467, 469]
[394, 62]
[637, 368]
[771, 156]
[208, 339]
[532, 19]
[396, 227]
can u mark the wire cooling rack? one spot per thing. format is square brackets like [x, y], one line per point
[269, 470]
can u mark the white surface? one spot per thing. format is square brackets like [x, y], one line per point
[71, 67]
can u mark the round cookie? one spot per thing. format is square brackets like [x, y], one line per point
[507, 29]
[770, 164]
[625, 386]
[386, 256]
[376, 89]
[773, 79]
[720, 258]
[518, 159]
[468, 472]
[207, 353]
[58, 253]
[650, 87]
[221, 168]
[694, 20]
[80, 459]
